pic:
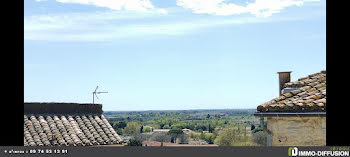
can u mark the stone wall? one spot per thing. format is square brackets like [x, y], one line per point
[297, 131]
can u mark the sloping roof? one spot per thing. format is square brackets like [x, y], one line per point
[67, 124]
[68, 130]
[309, 97]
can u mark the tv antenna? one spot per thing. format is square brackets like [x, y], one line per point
[95, 94]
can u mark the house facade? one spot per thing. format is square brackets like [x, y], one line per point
[298, 116]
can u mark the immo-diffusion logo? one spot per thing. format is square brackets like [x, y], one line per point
[293, 151]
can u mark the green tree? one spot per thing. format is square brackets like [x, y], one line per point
[202, 136]
[166, 127]
[191, 135]
[179, 125]
[209, 127]
[208, 116]
[146, 129]
[252, 127]
[132, 128]
[260, 138]
[204, 128]
[119, 131]
[210, 138]
[121, 124]
[134, 142]
[175, 133]
[232, 136]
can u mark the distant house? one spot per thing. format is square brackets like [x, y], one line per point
[161, 130]
[67, 124]
[298, 116]
[187, 131]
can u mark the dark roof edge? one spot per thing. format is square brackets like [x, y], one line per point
[61, 103]
[279, 114]
[61, 108]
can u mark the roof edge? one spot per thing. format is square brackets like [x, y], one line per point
[61, 108]
[279, 114]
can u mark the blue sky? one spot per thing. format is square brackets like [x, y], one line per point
[169, 54]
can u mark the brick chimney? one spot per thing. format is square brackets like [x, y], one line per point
[284, 77]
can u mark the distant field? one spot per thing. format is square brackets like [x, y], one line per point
[173, 117]
[204, 125]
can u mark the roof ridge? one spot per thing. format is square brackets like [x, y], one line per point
[301, 81]
[310, 96]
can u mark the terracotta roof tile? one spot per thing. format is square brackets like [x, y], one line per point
[309, 97]
[68, 130]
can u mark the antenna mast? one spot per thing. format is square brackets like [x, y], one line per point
[95, 94]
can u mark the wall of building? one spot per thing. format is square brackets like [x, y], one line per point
[297, 131]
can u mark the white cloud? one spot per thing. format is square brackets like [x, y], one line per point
[93, 26]
[111, 25]
[132, 5]
[260, 8]
[114, 25]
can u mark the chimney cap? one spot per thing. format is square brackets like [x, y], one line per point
[284, 72]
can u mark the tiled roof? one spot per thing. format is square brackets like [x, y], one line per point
[68, 130]
[310, 96]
